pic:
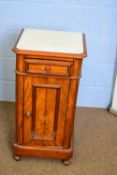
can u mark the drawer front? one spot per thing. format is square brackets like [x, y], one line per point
[48, 67]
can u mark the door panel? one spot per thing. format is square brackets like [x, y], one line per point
[45, 106]
[45, 111]
[28, 107]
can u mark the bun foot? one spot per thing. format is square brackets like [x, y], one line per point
[17, 158]
[67, 162]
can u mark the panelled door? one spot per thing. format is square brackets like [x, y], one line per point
[45, 107]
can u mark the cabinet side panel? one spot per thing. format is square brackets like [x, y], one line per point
[19, 98]
[72, 104]
[19, 108]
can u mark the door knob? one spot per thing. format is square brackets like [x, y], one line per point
[47, 68]
[28, 113]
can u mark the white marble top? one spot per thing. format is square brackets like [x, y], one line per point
[51, 41]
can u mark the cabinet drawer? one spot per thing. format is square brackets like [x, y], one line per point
[60, 68]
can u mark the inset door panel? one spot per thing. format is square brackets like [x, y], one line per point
[45, 111]
[45, 107]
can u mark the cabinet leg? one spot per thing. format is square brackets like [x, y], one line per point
[67, 162]
[17, 157]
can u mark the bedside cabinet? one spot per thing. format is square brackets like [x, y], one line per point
[48, 69]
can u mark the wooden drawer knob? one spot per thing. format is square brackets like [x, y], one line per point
[47, 68]
[28, 113]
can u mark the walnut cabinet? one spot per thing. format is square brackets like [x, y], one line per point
[48, 69]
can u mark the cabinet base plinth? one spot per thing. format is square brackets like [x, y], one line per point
[43, 152]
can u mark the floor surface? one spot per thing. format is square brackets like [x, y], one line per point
[95, 146]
